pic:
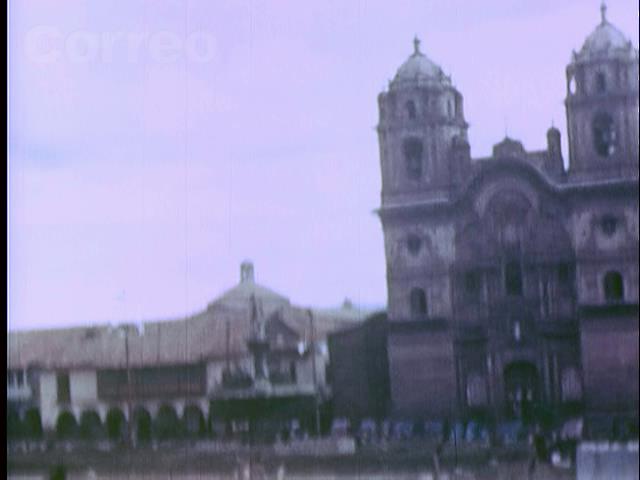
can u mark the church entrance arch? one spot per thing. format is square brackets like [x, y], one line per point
[521, 381]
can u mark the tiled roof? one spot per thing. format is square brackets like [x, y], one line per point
[200, 337]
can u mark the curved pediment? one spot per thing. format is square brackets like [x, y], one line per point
[496, 174]
[513, 215]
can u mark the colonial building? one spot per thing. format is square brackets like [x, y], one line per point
[513, 280]
[250, 356]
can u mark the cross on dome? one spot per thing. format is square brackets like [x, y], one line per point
[416, 45]
[603, 12]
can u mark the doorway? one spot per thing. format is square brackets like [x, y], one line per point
[521, 389]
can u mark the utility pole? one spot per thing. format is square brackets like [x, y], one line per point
[125, 330]
[314, 369]
[129, 393]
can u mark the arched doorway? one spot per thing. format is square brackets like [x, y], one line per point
[33, 423]
[90, 425]
[66, 425]
[116, 424]
[142, 420]
[193, 421]
[167, 424]
[521, 389]
[14, 424]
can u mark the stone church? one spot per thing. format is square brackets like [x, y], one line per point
[513, 280]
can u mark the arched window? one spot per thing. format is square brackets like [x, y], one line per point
[412, 148]
[513, 279]
[411, 109]
[66, 425]
[571, 386]
[613, 287]
[418, 302]
[601, 83]
[476, 391]
[604, 135]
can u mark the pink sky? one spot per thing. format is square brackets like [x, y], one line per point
[138, 183]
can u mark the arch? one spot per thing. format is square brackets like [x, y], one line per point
[413, 151]
[604, 134]
[521, 381]
[167, 424]
[613, 286]
[193, 420]
[115, 424]
[503, 176]
[91, 425]
[33, 423]
[66, 425]
[418, 301]
[143, 424]
[14, 424]
[508, 204]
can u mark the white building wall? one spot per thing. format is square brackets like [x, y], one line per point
[83, 387]
[214, 375]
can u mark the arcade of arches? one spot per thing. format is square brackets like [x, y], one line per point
[113, 426]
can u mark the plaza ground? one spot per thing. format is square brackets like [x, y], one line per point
[406, 461]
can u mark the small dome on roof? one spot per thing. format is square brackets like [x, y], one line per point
[418, 68]
[247, 291]
[605, 40]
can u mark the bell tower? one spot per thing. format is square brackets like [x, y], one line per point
[421, 118]
[424, 154]
[602, 106]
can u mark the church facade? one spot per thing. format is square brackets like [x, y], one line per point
[513, 280]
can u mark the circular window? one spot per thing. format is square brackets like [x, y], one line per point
[604, 135]
[608, 225]
[414, 244]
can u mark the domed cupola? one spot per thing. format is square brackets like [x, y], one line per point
[418, 70]
[420, 115]
[606, 41]
[602, 106]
